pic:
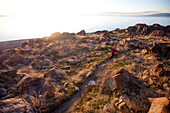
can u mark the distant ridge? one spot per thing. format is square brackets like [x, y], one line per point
[160, 14]
[146, 13]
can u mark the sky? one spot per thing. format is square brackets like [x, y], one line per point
[53, 8]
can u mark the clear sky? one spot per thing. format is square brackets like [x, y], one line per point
[63, 7]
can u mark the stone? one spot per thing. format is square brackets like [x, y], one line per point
[159, 105]
[25, 51]
[125, 98]
[131, 29]
[77, 89]
[15, 105]
[98, 48]
[23, 45]
[122, 106]
[145, 78]
[3, 67]
[23, 82]
[109, 108]
[38, 85]
[159, 71]
[82, 32]
[104, 65]
[119, 80]
[3, 57]
[18, 59]
[144, 51]
[63, 90]
[91, 83]
[53, 73]
[146, 72]
[8, 74]
[166, 86]
[2, 92]
[71, 61]
[54, 35]
[157, 33]
[39, 64]
[66, 84]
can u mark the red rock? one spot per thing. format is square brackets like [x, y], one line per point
[120, 80]
[159, 105]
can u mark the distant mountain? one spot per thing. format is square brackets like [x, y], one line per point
[6, 15]
[146, 13]
[159, 14]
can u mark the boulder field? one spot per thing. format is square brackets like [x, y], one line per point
[41, 75]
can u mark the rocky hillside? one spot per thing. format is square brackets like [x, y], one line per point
[143, 29]
[71, 72]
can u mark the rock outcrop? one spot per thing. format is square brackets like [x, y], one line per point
[143, 29]
[159, 49]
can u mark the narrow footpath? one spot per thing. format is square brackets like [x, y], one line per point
[70, 103]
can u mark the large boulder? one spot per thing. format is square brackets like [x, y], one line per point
[3, 57]
[40, 64]
[72, 61]
[23, 82]
[142, 29]
[15, 105]
[23, 45]
[2, 92]
[119, 80]
[33, 86]
[159, 105]
[53, 73]
[82, 32]
[8, 74]
[25, 51]
[159, 49]
[18, 59]
[55, 35]
[167, 29]
[131, 29]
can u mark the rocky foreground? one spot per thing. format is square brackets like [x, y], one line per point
[45, 75]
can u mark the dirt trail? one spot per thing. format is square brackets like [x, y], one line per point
[70, 104]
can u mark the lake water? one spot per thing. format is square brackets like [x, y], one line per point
[14, 28]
